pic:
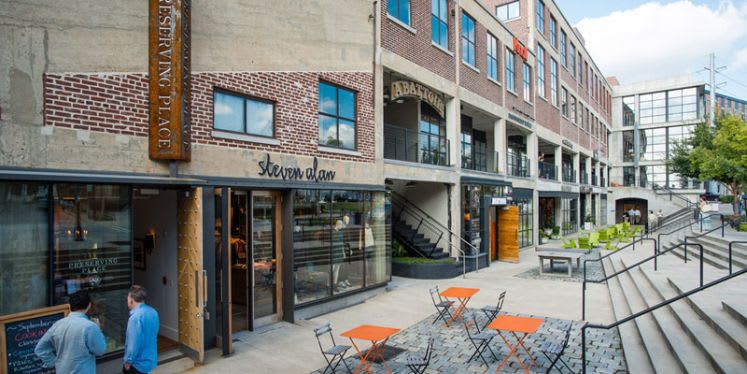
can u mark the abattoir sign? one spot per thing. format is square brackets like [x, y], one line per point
[169, 80]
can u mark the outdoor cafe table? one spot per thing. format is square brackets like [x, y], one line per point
[378, 337]
[461, 294]
[515, 324]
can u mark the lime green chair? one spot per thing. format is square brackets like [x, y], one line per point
[609, 246]
[626, 226]
[594, 239]
[622, 237]
[604, 235]
[583, 243]
[568, 243]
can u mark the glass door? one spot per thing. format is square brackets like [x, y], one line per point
[264, 258]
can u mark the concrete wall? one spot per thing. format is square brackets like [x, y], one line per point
[158, 213]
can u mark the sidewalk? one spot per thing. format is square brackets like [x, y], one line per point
[292, 348]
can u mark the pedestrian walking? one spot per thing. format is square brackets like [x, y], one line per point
[652, 220]
[141, 349]
[71, 345]
[637, 216]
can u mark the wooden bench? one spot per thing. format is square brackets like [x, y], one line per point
[553, 256]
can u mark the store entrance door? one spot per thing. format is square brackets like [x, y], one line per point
[191, 277]
[508, 233]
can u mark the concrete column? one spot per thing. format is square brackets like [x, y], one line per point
[532, 154]
[535, 218]
[499, 144]
[558, 162]
[559, 213]
[576, 160]
[453, 129]
[587, 167]
[457, 218]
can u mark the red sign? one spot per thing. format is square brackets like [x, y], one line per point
[519, 49]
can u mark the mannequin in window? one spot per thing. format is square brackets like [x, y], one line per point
[338, 251]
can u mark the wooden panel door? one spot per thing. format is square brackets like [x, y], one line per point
[508, 233]
[190, 278]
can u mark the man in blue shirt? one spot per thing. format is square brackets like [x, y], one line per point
[141, 350]
[72, 343]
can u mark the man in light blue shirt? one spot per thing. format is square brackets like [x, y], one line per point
[72, 343]
[141, 349]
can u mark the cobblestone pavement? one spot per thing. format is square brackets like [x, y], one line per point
[593, 270]
[452, 349]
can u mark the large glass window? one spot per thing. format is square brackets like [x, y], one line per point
[336, 116]
[510, 77]
[629, 111]
[468, 39]
[540, 71]
[507, 12]
[440, 23]
[564, 101]
[653, 175]
[540, 16]
[553, 32]
[527, 82]
[399, 9]
[563, 53]
[93, 251]
[24, 250]
[466, 142]
[492, 57]
[629, 176]
[653, 144]
[682, 105]
[243, 114]
[433, 144]
[569, 209]
[628, 149]
[340, 242]
[526, 222]
[677, 134]
[553, 81]
[652, 108]
[572, 68]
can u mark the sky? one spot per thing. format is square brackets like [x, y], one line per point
[637, 40]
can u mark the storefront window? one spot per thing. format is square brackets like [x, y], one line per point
[471, 207]
[433, 143]
[24, 251]
[526, 222]
[93, 251]
[603, 210]
[629, 176]
[570, 215]
[339, 237]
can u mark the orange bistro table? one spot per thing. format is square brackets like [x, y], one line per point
[515, 324]
[378, 337]
[461, 294]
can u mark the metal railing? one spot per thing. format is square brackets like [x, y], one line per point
[584, 177]
[517, 165]
[731, 244]
[593, 179]
[569, 175]
[427, 221]
[673, 194]
[602, 182]
[408, 145]
[648, 310]
[585, 280]
[547, 170]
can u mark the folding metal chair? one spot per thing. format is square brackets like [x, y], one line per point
[442, 306]
[336, 352]
[491, 312]
[417, 364]
[480, 339]
[549, 348]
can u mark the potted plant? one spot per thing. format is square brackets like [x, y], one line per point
[555, 232]
[588, 221]
[544, 236]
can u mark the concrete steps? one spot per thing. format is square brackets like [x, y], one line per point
[715, 253]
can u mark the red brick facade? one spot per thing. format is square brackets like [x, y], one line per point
[118, 104]
[478, 82]
[418, 47]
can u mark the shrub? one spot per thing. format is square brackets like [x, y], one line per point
[422, 260]
[726, 199]
[743, 227]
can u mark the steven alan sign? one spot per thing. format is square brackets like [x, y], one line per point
[314, 174]
[417, 90]
[169, 79]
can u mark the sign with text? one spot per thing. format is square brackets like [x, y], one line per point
[313, 174]
[417, 90]
[520, 49]
[169, 79]
[19, 334]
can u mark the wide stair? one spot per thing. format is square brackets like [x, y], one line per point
[703, 333]
[416, 244]
[715, 252]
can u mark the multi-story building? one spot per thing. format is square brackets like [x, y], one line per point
[726, 104]
[241, 173]
[649, 119]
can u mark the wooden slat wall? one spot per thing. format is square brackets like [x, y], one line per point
[508, 234]
[189, 277]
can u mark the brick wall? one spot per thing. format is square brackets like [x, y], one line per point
[478, 82]
[118, 104]
[417, 47]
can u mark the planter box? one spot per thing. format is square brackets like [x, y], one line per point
[425, 271]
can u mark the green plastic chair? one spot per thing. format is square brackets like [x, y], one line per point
[583, 243]
[568, 243]
[594, 239]
[609, 246]
[604, 235]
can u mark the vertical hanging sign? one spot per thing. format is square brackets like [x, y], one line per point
[169, 79]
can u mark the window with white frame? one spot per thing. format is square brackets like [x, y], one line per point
[553, 81]
[540, 16]
[553, 32]
[574, 119]
[492, 57]
[399, 9]
[540, 71]
[563, 54]
[564, 101]
[572, 68]
[468, 39]
[440, 23]
[507, 12]
[652, 108]
[243, 114]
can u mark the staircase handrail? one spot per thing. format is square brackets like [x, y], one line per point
[583, 284]
[689, 225]
[674, 193]
[675, 220]
[434, 225]
[674, 216]
[731, 244]
[664, 303]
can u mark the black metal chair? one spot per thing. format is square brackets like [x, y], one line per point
[416, 363]
[480, 339]
[442, 306]
[492, 312]
[336, 352]
[549, 348]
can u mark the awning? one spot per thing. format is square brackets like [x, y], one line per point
[78, 176]
[522, 193]
[485, 181]
[562, 194]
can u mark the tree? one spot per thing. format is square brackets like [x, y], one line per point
[718, 154]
